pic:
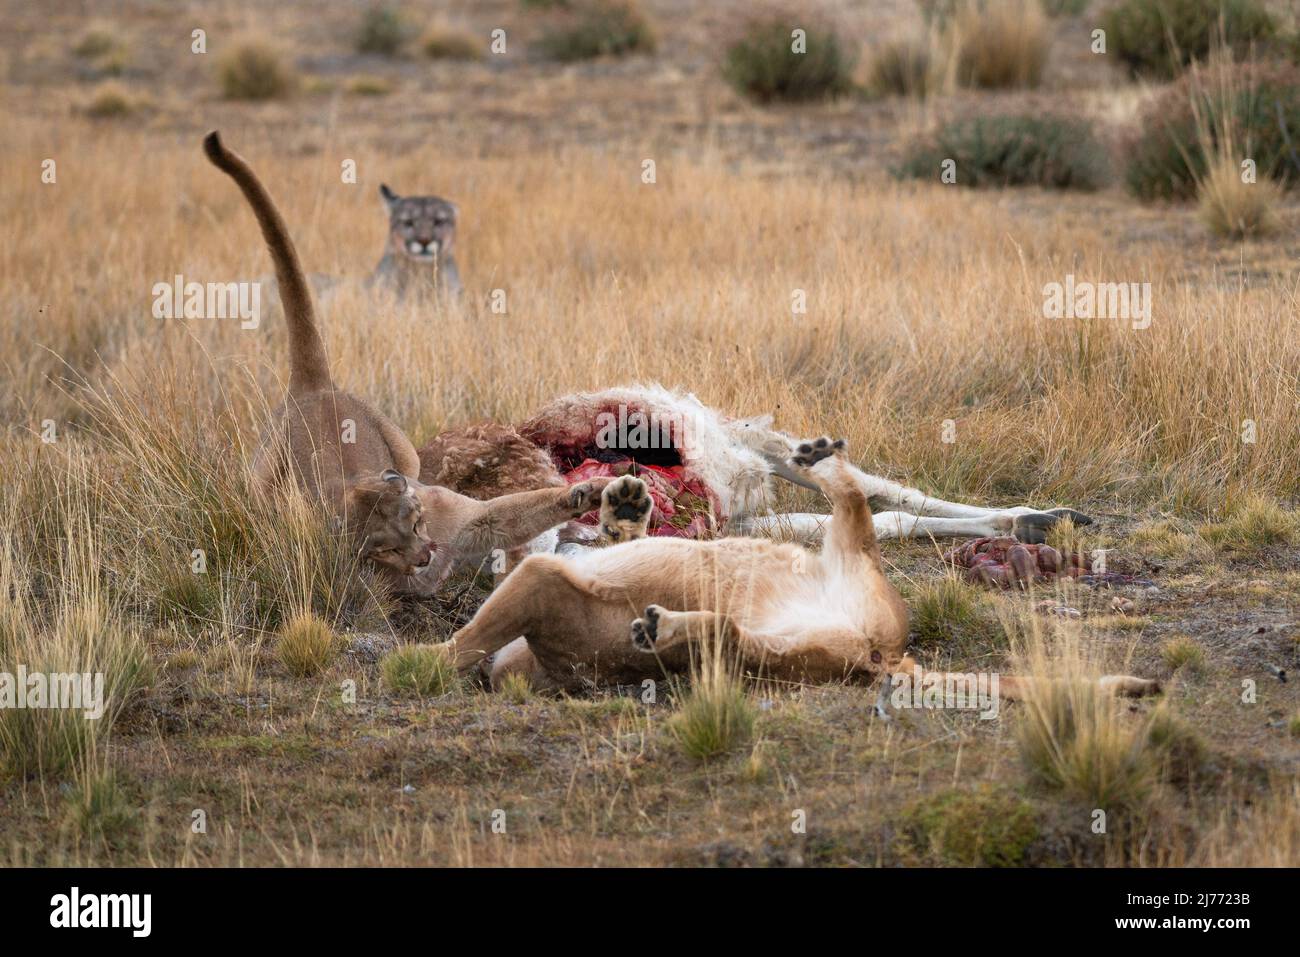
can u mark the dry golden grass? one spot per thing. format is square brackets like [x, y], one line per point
[1235, 208]
[999, 44]
[1050, 409]
[924, 305]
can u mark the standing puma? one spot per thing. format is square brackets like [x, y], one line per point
[344, 452]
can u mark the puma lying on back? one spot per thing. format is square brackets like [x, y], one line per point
[622, 615]
[349, 455]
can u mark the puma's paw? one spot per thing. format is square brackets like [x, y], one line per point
[645, 630]
[808, 454]
[625, 508]
[585, 496]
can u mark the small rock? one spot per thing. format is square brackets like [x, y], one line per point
[408, 789]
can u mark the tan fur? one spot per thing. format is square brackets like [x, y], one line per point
[778, 608]
[414, 532]
[486, 460]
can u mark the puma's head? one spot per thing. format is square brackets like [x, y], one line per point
[387, 522]
[421, 228]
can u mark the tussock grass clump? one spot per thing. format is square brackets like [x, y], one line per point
[1159, 37]
[1073, 736]
[108, 101]
[1167, 538]
[716, 715]
[947, 610]
[1183, 652]
[985, 827]
[98, 810]
[81, 633]
[1233, 208]
[515, 688]
[369, 86]
[763, 63]
[253, 70]
[596, 28]
[1012, 151]
[306, 645]
[419, 670]
[95, 43]
[999, 44]
[1252, 524]
[447, 43]
[383, 30]
[1217, 115]
[902, 68]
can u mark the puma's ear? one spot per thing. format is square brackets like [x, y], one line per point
[388, 195]
[394, 477]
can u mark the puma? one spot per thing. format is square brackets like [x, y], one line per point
[347, 454]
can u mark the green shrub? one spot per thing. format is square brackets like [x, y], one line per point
[1159, 37]
[94, 44]
[382, 31]
[254, 71]
[1259, 110]
[598, 28]
[1012, 151]
[762, 64]
[1064, 8]
[980, 828]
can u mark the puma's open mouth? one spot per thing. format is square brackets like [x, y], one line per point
[428, 563]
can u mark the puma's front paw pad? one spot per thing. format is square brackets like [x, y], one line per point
[645, 630]
[625, 508]
[809, 454]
